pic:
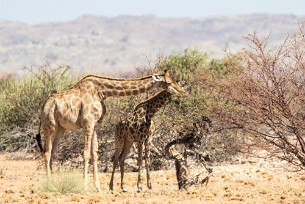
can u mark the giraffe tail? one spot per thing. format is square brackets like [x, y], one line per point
[38, 138]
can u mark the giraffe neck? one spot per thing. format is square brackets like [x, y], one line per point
[117, 86]
[153, 104]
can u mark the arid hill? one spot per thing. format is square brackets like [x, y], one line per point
[119, 44]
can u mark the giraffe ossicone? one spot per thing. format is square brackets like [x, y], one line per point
[82, 106]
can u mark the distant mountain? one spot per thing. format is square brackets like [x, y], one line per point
[119, 44]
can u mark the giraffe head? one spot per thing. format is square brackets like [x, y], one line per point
[168, 83]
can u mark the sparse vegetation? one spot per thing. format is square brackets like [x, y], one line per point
[21, 100]
[248, 103]
[22, 178]
[268, 97]
[65, 181]
[252, 100]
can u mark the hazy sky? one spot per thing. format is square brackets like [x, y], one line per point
[38, 11]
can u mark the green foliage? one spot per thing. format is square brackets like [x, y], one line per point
[21, 99]
[186, 64]
[203, 79]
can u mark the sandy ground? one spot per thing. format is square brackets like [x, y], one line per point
[258, 182]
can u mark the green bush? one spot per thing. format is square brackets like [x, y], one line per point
[21, 98]
[203, 79]
[21, 101]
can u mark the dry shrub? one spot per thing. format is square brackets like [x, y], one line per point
[268, 97]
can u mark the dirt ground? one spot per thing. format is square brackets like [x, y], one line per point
[258, 182]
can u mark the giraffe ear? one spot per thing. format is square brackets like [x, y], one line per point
[167, 77]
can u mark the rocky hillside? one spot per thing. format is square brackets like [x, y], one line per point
[112, 45]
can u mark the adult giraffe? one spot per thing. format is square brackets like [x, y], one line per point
[82, 106]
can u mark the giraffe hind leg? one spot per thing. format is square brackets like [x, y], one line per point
[116, 156]
[49, 132]
[59, 133]
[51, 138]
[125, 151]
[115, 161]
[88, 134]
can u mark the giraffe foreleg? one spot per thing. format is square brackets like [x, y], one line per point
[88, 134]
[140, 161]
[147, 161]
[94, 151]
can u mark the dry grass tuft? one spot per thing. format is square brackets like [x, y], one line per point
[65, 182]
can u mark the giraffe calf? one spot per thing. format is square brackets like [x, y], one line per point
[137, 128]
[125, 137]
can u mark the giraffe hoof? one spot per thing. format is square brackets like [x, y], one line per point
[124, 190]
[98, 189]
[149, 186]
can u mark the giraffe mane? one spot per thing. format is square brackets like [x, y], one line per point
[112, 78]
[118, 79]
